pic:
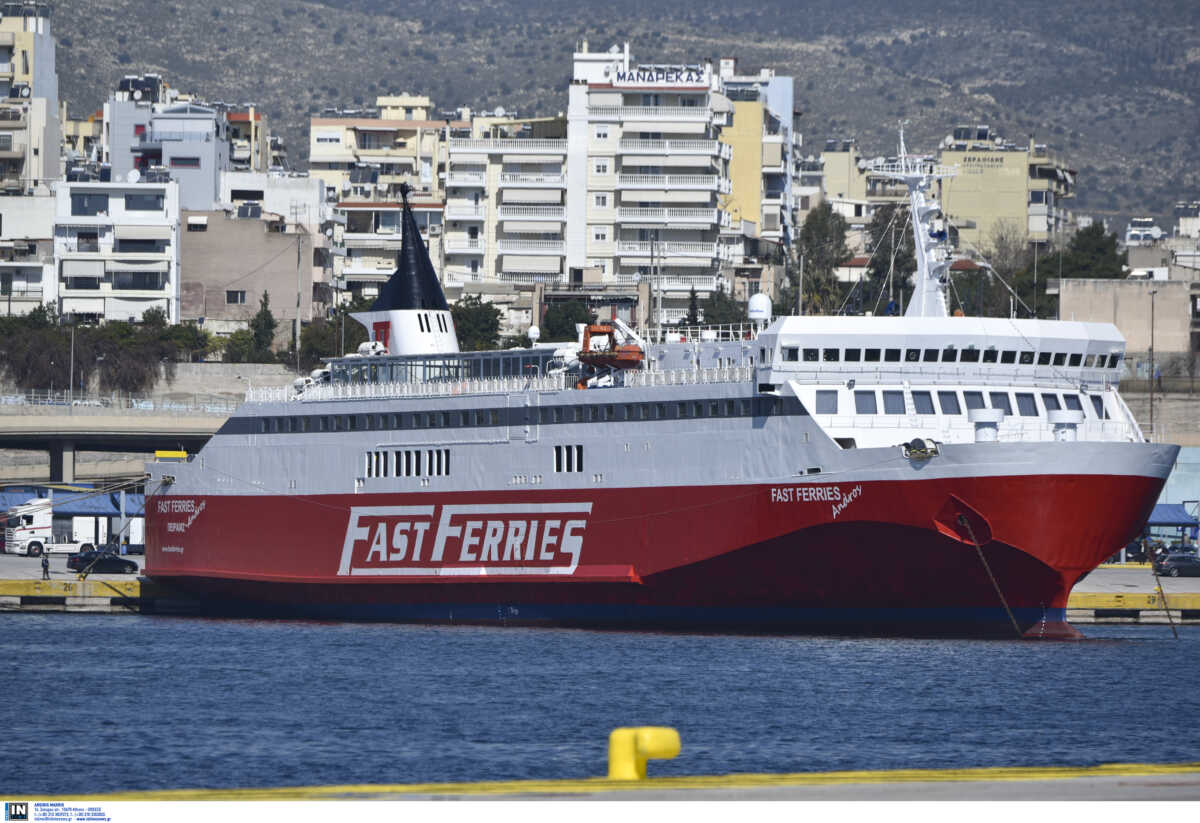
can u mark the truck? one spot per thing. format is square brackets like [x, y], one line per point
[29, 530]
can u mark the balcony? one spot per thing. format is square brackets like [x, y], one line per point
[673, 217]
[676, 147]
[513, 180]
[514, 246]
[530, 278]
[673, 282]
[555, 213]
[467, 178]
[463, 245]
[678, 182]
[665, 113]
[508, 145]
[12, 150]
[6, 71]
[666, 249]
[12, 118]
[466, 211]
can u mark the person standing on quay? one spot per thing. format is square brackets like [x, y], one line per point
[45, 566]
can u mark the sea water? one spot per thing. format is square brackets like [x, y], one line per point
[102, 703]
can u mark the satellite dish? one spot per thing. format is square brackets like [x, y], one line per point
[534, 333]
[25, 91]
[500, 111]
[133, 176]
[137, 94]
[329, 232]
[760, 307]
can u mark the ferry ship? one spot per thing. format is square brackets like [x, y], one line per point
[925, 474]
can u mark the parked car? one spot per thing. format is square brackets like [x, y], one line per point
[98, 562]
[1179, 565]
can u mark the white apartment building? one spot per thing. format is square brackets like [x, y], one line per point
[648, 177]
[27, 253]
[116, 248]
[367, 236]
[505, 210]
[30, 131]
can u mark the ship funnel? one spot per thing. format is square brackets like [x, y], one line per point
[411, 315]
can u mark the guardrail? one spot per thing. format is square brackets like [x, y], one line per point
[441, 388]
[62, 402]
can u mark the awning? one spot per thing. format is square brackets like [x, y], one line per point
[119, 308]
[83, 305]
[198, 220]
[540, 264]
[83, 268]
[142, 232]
[532, 158]
[364, 127]
[531, 226]
[551, 196]
[137, 265]
[457, 159]
[1171, 514]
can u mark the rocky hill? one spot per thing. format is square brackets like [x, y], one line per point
[1113, 84]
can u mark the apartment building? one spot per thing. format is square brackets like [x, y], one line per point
[397, 140]
[1005, 186]
[27, 253]
[29, 113]
[81, 136]
[190, 141]
[367, 237]
[1187, 217]
[116, 247]
[505, 207]
[644, 138]
[249, 140]
[763, 142]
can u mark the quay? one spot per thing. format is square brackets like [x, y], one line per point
[1110, 594]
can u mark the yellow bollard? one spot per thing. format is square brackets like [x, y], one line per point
[630, 747]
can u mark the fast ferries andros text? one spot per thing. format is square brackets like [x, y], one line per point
[503, 539]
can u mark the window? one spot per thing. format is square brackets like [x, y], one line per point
[893, 402]
[990, 355]
[185, 162]
[948, 400]
[1008, 357]
[829, 355]
[931, 356]
[970, 356]
[1113, 360]
[601, 131]
[1000, 401]
[235, 297]
[811, 355]
[974, 400]
[1044, 358]
[853, 355]
[872, 356]
[923, 402]
[85, 205]
[791, 355]
[600, 165]
[1026, 405]
[1090, 362]
[1060, 359]
[949, 355]
[827, 402]
[144, 202]
[6, 141]
[1072, 402]
[912, 355]
[864, 402]
[1075, 360]
[600, 201]
[139, 280]
[1098, 405]
[891, 355]
[1026, 358]
[568, 458]
[600, 234]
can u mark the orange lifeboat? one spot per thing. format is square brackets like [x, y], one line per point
[612, 356]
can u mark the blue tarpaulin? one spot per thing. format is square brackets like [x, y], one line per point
[78, 503]
[1171, 514]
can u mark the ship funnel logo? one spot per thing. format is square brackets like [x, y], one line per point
[502, 539]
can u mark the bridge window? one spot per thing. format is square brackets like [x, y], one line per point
[949, 355]
[853, 355]
[697, 409]
[970, 355]
[974, 400]
[830, 355]
[923, 402]
[893, 402]
[872, 356]
[1026, 358]
[990, 355]
[948, 400]
[1026, 405]
[1060, 358]
[865, 403]
[1090, 362]
[1000, 401]
[791, 355]
[1050, 401]
[891, 355]
[1113, 360]
[1072, 402]
[1008, 357]
[827, 402]
[811, 355]
[931, 356]
[1044, 358]
[1098, 405]
[1075, 360]
[912, 355]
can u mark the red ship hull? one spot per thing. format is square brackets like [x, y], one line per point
[877, 557]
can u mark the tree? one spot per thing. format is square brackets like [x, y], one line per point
[720, 309]
[893, 258]
[476, 323]
[558, 324]
[262, 326]
[239, 347]
[693, 315]
[822, 245]
[154, 318]
[1093, 253]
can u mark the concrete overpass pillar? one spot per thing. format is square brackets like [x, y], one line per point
[62, 462]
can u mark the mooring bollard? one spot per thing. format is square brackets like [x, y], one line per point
[630, 747]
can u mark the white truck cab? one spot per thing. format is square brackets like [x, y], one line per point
[29, 530]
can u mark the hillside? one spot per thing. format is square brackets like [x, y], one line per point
[1115, 86]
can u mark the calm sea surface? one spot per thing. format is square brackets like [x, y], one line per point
[97, 703]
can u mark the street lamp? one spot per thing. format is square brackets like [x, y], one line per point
[1152, 293]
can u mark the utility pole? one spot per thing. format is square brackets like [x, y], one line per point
[1035, 251]
[1152, 293]
[297, 210]
[800, 290]
[71, 372]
